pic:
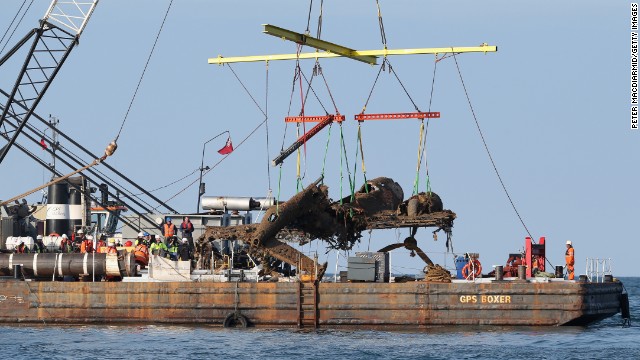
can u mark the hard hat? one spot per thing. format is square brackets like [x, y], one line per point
[64, 236]
[39, 237]
[128, 243]
[112, 242]
[568, 242]
[80, 231]
[168, 219]
[89, 237]
[146, 233]
[141, 234]
[184, 240]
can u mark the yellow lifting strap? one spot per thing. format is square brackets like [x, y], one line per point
[364, 169]
[417, 180]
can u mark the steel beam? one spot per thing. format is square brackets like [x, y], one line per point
[303, 39]
[484, 48]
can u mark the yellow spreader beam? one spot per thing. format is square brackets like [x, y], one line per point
[331, 50]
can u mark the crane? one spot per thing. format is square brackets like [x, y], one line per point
[51, 43]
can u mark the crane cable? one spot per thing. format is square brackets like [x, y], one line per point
[266, 124]
[17, 25]
[423, 144]
[144, 71]
[486, 147]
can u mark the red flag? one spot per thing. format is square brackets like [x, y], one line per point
[43, 144]
[227, 149]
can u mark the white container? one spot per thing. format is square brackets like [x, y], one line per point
[52, 243]
[13, 242]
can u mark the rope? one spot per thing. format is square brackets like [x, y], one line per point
[402, 85]
[383, 36]
[144, 70]
[247, 91]
[279, 188]
[95, 162]
[417, 180]
[487, 148]
[423, 145]
[169, 184]
[12, 21]
[309, 17]
[266, 124]
[320, 20]
[326, 150]
[217, 163]
[15, 28]
[373, 87]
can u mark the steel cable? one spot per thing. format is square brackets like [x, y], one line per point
[146, 65]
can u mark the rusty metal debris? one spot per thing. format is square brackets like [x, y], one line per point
[310, 215]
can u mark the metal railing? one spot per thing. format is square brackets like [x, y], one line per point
[598, 268]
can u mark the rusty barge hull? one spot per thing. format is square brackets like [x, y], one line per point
[410, 305]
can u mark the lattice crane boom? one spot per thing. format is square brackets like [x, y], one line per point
[53, 41]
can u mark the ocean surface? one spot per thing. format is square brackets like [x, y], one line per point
[604, 340]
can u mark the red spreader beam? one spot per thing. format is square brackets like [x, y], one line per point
[305, 119]
[397, 116]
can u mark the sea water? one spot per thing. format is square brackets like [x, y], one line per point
[604, 340]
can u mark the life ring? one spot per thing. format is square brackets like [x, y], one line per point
[473, 269]
[235, 320]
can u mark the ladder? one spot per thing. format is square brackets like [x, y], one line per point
[307, 305]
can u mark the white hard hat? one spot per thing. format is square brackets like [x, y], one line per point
[39, 237]
[140, 234]
[184, 240]
[89, 237]
[80, 231]
[568, 242]
[64, 236]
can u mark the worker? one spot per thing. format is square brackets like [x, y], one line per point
[38, 246]
[101, 244]
[86, 247]
[22, 248]
[183, 250]
[187, 231]
[570, 260]
[169, 228]
[140, 238]
[66, 246]
[173, 248]
[158, 247]
[141, 253]
[112, 248]
[147, 239]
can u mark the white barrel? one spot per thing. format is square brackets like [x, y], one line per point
[235, 203]
[13, 242]
[226, 203]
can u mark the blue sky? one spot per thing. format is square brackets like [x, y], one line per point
[553, 104]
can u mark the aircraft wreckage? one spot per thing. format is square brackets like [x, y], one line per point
[311, 215]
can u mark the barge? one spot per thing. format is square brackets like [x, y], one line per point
[411, 305]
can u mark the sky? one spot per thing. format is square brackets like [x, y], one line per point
[553, 105]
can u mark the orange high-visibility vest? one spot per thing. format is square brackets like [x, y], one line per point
[169, 230]
[568, 257]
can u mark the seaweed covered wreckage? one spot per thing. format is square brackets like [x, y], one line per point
[311, 215]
